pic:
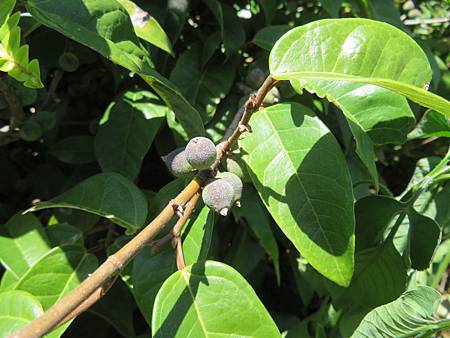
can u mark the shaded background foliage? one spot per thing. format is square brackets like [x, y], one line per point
[94, 116]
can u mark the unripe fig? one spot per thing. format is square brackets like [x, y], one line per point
[272, 96]
[235, 182]
[30, 131]
[255, 77]
[177, 163]
[201, 153]
[218, 195]
[68, 62]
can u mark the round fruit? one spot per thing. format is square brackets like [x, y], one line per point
[272, 96]
[235, 182]
[46, 119]
[68, 62]
[30, 131]
[201, 153]
[218, 195]
[177, 164]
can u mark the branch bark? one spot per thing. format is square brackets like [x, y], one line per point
[90, 290]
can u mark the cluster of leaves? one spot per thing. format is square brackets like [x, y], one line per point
[344, 225]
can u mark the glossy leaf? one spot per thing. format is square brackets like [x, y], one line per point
[23, 241]
[187, 305]
[17, 308]
[432, 124]
[125, 137]
[196, 236]
[57, 273]
[253, 212]
[358, 51]
[379, 270]
[108, 195]
[103, 25]
[146, 26]
[304, 182]
[204, 87]
[267, 36]
[14, 58]
[74, 149]
[6, 7]
[411, 315]
[113, 37]
[425, 235]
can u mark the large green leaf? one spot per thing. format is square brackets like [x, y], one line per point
[105, 26]
[210, 300]
[63, 233]
[74, 149]
[146, 26]
[359, 51]
[411, 315]
[300, 172]
[6, 7]
[381, 271]
[267, 36]
[22, 242]
[17, 308]
[109, 195]
[196, 237]
[124, 138]
[56, 273]
[204, 87]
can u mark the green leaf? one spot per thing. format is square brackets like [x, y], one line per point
[14, 57]
[332, 7]
[424, 237]
[233, 34]
[411, 315]
[125, 138]
[8, 280]
[301, 175]
[380, 270]
[146, 26]
[196, 239]
[108, 195]
[373, 215]
[113, 36]
[74, 149]
[56, 273]
[187, 305]
[253, 212]
[205, 87]
[63, 233]
[23, 241]
[6, 8]
[357, 51]
[269, 8]
[103, 25]
[267, 36]
[432, 124]
[17, 308]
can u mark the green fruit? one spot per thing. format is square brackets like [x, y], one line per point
[235, 182]
[201, 153]
[30, 131]
[272, 96]
[218, 195]
[46, 119]
[68, 62]
[177, 164]
[255, 78]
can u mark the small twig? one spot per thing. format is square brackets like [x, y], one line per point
[180, 257]
[15, 106]
[57, 76]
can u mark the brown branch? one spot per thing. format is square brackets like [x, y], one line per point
[15, 106]
[89, 291]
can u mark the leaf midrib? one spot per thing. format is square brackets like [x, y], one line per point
[305, 192]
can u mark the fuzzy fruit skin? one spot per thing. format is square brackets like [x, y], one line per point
[237, 167]
[218, 195]
[201, 153]
[177, 163]
[235, 182]
[68, 62]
